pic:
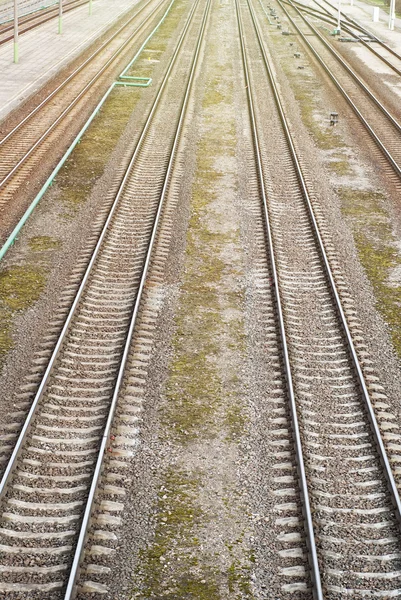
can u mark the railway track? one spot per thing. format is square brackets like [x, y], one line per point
[376, 46]
[32, 20]
[341, 454]
[359, 27]
[383, 128]
[33, 140]
[50, 484]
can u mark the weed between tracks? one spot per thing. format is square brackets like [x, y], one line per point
[21, 286]
[195, 388]
[378, 253]
[40, 243]
[306, 88]
[199, 549]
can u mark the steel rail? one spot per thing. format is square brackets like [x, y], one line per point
[328, 17]
[81, 94]
[306, 508]
[377, 140]
[314, 12]
[332, 20]
[42, 16]
[24, 10]
[344, 64]
[72, 75]
[42, 387]
[355, 23]
[105, 439]
[331, 280]
[354, 30]
[17, 449]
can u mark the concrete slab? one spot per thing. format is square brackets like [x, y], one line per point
[43, 52]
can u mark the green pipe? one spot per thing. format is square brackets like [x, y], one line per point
[13, 235]
[146, 82]
[132, 83]
[127, 68]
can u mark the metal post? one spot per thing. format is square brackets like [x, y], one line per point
[16, 57]
[392, 15]
[339, 17]
[60, 16]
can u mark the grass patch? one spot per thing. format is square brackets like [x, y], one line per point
[42, 243]
[340, 166]
[20, 287]
[235, 420]
[377, 252]
[194, 389]
[89, 158]
[175, 545]
[239, 580]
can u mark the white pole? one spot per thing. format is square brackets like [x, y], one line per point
[392, 15]
[339, 17]
[16, 57]
[60, 16]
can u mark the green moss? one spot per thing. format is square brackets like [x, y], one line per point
[212, 97]
[41, 243]
[235, 420]
[6, 341]
[238, 580]
[341, 166]
[195, 388]
[20, 287]
[88, 160]
[325, 136]
[378, 252]
[149, 57]
[175, 547]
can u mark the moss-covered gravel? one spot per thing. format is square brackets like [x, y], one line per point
[378, 251]
[200, 549]
[20, 288]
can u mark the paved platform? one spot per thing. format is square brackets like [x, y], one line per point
[43, 52]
